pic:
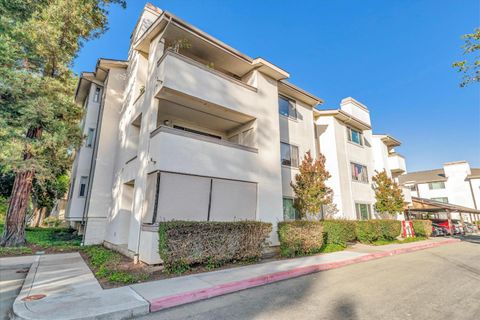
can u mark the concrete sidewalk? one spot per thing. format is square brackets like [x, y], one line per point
[71, 291]
[168, 293]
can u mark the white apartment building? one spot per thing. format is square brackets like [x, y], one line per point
[188, 128]
[456, 183]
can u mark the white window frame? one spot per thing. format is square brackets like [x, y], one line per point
[358, 210]
[83, 179]
[441, 183]
[292, 106]
[97, 94]
[350, 139]
[292, 148]
[90, 137]
[296, 215]
[440, 199]
[352, 168]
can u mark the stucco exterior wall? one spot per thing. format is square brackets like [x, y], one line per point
[83, 159]
[298, 132]
[100, 193]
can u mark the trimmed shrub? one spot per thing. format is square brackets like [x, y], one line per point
[422, 228]
[183, 244]
[373, 230]
[299, 238]
[338, 232]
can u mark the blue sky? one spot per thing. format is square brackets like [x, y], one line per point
[393, 56]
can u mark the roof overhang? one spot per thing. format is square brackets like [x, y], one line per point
[204, 45]
[428, 205]
[388, 140]
[97, 77]
[297, 93]
[344, 117]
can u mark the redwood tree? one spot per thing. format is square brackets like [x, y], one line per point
[388, 195]
[311, 191]
[38, 118]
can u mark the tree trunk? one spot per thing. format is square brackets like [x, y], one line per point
[43, 215]
[35, 217]
[14, 229]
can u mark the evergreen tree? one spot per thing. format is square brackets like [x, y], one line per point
[38, 118]
[388, 195]
[311, 192]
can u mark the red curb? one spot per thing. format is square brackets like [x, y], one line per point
[158, 304]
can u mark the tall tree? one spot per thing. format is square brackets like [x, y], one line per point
[470, 69]
[311, 191]
[38, 119]
[388, 195]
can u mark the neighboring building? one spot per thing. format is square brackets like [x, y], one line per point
[456, 183]
[353, 155]
[189, 128]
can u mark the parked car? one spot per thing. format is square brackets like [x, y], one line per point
[438, 231]
[470, 228]
[443, 224]
[458, 228]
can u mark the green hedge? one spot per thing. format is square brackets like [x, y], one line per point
[422, 228]
[299, 238]
[186, 243]
[339, 232]
[373, 230]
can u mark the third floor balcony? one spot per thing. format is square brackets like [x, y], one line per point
[180, 75]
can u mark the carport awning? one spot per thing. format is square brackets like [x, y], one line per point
[428, 205]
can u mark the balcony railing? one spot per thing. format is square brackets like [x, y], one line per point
[189, 77]
[396, 163]
[185, 152]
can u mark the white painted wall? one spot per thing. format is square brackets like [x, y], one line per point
[298, 132]
[83, 158]
[101, 197]
[457, 186]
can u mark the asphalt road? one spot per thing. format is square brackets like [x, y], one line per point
[11, 281]
[439, 283]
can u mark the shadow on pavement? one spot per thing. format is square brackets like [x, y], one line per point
[345, 309]
[473, 238]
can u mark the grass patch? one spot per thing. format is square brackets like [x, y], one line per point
[9, 251]
[396, 241]
[331, 247]
[106, 265]
[49, 239]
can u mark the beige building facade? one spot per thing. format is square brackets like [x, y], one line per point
[188, 128]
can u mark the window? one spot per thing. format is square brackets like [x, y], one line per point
[90, 136]
[359, 172]
[436, 185]
[286, 107]
[441, 199]
[289, 212]
[289, 154]
[363, 211]
[355, 136]
[197, 132]
[96, 96]
[413, 187]
[83, 186]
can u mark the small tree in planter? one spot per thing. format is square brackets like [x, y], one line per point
[388, 195]
[311, 192]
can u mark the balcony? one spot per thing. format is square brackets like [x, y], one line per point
[179, 76]
[179, 151]
[396, 163]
